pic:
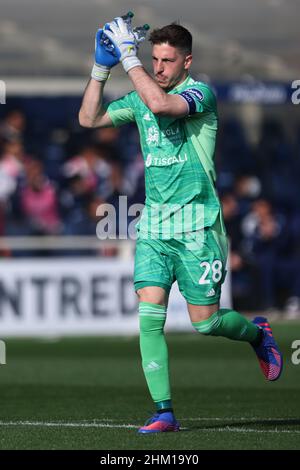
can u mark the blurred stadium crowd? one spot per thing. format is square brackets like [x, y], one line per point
[54, 175]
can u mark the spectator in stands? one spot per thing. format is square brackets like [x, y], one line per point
[96, 166]
[233, 156]
[12, 158]
[86, 224]
[73, 200]
[277, 166]
[38, 201]
[13, 125]
[267, 239]
[90, 173]
[243, 273]
[247, 188]
[109, 136]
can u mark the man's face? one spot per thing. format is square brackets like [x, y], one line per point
[170, 65]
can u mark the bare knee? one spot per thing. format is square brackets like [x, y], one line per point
[201, 312]
[153, 294]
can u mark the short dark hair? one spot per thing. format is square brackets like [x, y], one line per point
[175, 35]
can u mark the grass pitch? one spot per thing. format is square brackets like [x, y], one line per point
[90, 393]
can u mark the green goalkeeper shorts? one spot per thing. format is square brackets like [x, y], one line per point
[197, 261]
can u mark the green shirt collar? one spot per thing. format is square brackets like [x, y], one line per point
[181, 85]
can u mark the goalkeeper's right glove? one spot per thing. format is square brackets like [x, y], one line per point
[124, 42]
[104, 59]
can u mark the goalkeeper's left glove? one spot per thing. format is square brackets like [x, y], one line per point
[104, 59]
[125, 43]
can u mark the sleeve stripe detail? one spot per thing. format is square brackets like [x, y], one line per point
[192, 96]
[197, 93]
[187, 104]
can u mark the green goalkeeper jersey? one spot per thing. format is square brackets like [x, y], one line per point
[179, 161]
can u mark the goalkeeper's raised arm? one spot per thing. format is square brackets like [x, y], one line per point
[107, 54]
[91, 113]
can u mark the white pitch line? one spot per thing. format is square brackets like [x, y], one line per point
[237, 418]
[66, 425]
[133, 426]
[258, 418]
[249, 430]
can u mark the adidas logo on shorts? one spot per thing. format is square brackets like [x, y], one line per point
[211, 292]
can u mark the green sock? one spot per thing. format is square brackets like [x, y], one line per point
[230, 324]
[154, 350]
[165, 405]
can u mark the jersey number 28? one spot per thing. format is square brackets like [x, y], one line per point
[215, 268]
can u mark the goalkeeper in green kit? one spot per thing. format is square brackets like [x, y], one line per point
[181, 234]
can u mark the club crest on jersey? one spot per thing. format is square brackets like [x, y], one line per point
[153, 135]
